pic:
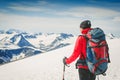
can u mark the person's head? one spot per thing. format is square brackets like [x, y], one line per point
[85, 24]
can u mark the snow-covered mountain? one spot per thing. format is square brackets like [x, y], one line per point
[112, 36]
[10, 31]
[20, 40]
[39, 40]
[49, 66]
[14, 43]
[8, 55]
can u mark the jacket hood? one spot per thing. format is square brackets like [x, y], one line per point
[85, 31]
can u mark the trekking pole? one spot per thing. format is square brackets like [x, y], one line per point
[63, 72]
[64, 64]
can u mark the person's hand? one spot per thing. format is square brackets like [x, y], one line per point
[64, 60]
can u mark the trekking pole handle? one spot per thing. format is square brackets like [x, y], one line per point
[67, 65]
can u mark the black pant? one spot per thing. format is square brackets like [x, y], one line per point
[85, 75]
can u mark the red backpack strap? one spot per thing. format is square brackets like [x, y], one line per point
[85, 36]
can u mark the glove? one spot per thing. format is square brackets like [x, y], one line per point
[64, 60]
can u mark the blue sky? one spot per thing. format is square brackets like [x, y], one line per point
[59, 15]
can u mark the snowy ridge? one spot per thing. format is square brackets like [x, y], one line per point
[49, 66]
[112, 36]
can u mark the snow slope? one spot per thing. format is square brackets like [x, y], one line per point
[49, 66]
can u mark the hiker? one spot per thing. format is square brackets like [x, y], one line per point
[80, 51]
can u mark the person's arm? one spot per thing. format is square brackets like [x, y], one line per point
[76, 52]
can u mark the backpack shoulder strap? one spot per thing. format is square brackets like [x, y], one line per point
[85, 36]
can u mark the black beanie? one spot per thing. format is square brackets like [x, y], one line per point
[85, 24]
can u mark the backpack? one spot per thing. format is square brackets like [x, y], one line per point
[97, 56]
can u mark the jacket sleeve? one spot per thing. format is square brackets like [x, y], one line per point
[76, 52]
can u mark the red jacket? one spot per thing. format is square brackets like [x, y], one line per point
[79, 49]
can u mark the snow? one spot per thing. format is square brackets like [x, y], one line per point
[46, 39]
[49, 66]
[5, 39]
[17, 57]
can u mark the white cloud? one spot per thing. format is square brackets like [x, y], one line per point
[66, 20]
[117, 19]
[40, 6]
[80, 12]
[26, 8]
[90, 12]
[38, 24]
[43, 3]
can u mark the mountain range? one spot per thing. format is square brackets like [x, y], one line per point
[16, 44]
